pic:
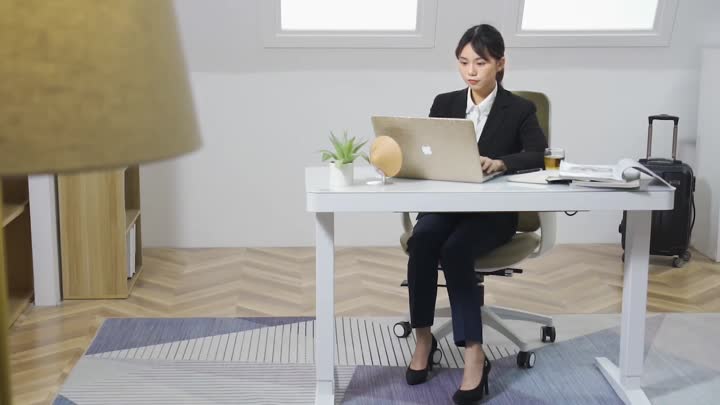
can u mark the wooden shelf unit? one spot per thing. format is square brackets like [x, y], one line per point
[18, 246]
[97, 209]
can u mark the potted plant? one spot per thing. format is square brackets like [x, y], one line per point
[342, 159]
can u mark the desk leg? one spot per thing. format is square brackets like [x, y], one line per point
[625, 380]
[325, 308]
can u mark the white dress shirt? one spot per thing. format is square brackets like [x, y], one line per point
[478, 113]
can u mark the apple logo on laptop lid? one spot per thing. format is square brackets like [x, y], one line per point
[426, 150]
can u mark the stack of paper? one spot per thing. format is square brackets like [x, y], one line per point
[624, 174]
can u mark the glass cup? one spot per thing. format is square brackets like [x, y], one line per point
[553, 157]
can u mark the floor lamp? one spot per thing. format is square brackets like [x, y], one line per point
[88, 84]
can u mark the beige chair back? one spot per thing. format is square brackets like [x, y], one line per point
[530, 221]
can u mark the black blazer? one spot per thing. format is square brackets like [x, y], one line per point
[511, 133]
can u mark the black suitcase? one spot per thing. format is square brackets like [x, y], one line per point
[670, 230]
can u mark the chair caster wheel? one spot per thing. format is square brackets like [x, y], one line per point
[548, 332]
[437, 357]
[526, 359]
[402, 329]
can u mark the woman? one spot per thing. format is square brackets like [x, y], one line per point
[509, 139]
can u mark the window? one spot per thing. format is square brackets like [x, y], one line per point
[349, 23]
[348, 15]
[589, 22]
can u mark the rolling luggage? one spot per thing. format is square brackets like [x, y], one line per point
[670, 230]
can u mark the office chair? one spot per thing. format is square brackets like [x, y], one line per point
[525, 244]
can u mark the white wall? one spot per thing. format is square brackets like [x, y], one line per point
[264, 113]
[707, 197]
[245, 187]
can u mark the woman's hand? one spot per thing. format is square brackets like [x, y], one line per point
[492, 165]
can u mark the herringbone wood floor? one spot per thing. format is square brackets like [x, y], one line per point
[46, 342]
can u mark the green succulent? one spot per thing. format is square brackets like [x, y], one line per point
[346, 150]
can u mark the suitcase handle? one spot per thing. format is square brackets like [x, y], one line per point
[663, 117]
[660, 160]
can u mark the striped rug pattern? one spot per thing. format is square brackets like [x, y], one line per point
[359, 341]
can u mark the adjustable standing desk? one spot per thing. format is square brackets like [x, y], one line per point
[407, 195]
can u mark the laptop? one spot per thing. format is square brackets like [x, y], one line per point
[435, 148]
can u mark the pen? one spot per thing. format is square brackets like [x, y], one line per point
[528, 171]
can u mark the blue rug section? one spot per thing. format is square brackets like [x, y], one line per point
[128, 333]
[549, 384]
[565, 373]
[373, 385]
[61, 400]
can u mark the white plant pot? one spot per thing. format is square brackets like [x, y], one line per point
[341, 176]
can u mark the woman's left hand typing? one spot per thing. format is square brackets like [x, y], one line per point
[491, 165]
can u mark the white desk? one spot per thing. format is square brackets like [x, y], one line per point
[496, 195]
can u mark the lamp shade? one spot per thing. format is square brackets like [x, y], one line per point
[386, 155]
[89, 84]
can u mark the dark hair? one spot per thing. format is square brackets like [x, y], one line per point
[486, 41]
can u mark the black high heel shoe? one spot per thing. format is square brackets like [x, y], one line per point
[474, 395]
[415, 377]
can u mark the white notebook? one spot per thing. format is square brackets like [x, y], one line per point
[538, 177]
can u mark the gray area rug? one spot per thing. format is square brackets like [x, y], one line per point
[270, 361]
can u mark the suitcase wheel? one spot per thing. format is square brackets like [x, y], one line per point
[682, 259]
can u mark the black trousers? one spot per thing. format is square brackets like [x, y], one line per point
[454, 241]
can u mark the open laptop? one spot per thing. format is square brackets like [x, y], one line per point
[435, 148]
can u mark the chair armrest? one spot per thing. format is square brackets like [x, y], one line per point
[407, 222]
[548, 232]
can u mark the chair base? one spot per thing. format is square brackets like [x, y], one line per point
[495, 317]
